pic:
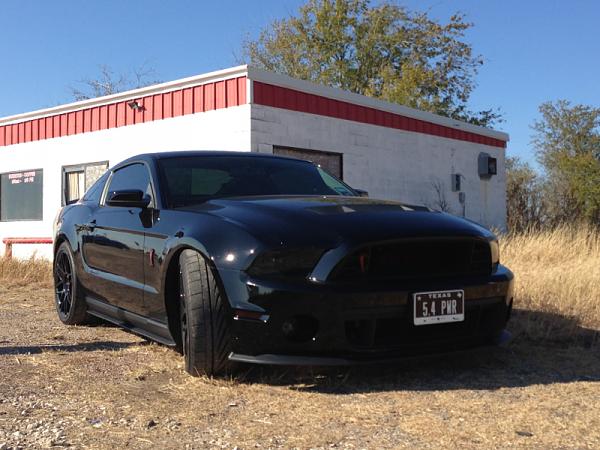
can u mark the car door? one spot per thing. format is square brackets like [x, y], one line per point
[114, 248]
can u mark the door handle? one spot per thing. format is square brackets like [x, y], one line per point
[90, 226]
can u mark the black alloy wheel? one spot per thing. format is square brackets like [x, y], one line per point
[70, 307]
[63, 278]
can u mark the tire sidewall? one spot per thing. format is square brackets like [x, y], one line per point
[66, 318]
[205, 305]
[184, 316]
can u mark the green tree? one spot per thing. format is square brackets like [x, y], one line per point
[383, 51]
[525, 197]
[567, 141]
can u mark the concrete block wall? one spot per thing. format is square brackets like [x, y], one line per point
[392, 164]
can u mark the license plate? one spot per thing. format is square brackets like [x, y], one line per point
[439, 307]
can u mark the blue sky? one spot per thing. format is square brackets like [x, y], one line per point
[534, 50]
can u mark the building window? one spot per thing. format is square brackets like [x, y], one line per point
[78, 179]
[332, 162]
[21, 195]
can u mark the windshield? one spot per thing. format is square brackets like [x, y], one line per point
[191, 180]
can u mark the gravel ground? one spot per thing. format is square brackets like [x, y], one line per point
[101, 387]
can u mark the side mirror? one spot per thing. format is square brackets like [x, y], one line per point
[130, 198]
[361, 192]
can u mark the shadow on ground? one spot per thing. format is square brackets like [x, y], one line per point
[81, 347]
[523, 362]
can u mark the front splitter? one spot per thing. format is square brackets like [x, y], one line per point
[294, 360]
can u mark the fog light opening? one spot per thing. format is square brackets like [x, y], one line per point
[300, 328]
[242, 314]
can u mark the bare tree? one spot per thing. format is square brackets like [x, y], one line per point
[440, 202]
[107, 82]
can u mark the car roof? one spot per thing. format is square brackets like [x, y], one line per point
[202, 153]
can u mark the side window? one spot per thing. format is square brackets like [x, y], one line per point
[134, 176]
[79, 178]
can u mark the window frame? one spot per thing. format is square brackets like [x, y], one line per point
[164, 185]
[308, 152]
[102, 202]
[41, 218]
[76, 168]
[342, 182]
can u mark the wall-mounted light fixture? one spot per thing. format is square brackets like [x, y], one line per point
[134, 104]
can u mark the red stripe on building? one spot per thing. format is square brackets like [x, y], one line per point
[285, 98]
[199, 99]
[220, 95]
[209, 96]
[177, 103]
[188, 101]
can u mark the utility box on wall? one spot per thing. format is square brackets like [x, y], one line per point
[456, 184]
[488, 166]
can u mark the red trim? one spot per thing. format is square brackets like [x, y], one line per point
[220, 94]
[198, 99]
[209, 97]
[188, 101]
[8, 243]
[27, 240]
[241, 89]
[147, 108]
[285, 98]
[21, 133]
[177, 103]
[231, 90]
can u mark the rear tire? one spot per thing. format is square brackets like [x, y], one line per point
[70, 304]
[205, 318]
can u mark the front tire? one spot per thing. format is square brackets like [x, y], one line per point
[205, 318]
[70, 306]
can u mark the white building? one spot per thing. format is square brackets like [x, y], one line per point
[49, 157]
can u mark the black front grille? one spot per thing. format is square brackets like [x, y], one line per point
[416, 259]
[483, 317]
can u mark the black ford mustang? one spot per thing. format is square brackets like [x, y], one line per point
[241, 257]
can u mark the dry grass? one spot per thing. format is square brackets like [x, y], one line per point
[557, 282]
[33, 271]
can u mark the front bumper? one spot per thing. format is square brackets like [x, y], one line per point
[363, 324]
[296, 360]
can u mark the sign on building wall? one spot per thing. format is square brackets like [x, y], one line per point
[21, 195]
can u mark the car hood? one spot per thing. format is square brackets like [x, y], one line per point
[326, 221]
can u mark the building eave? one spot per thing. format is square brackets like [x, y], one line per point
[196, 80]
[260, 75]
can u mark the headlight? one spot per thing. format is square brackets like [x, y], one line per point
[495, 251]
[286, 263]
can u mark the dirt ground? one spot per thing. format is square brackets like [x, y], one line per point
[101, 387]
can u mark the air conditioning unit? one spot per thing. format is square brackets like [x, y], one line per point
[488, 166]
